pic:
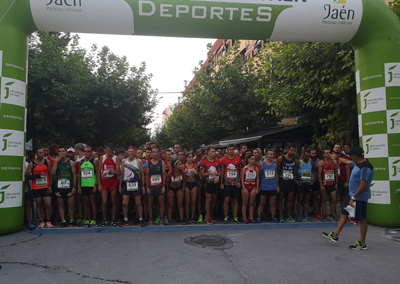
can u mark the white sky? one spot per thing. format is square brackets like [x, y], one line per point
[170, 60]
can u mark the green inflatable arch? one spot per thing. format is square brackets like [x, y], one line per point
[369, 26]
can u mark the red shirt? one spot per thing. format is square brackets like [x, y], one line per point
[231, 169]
[328, 173]
[208, 166]
[342, 168]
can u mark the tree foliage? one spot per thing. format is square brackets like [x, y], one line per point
[95, 96]
[395, 6]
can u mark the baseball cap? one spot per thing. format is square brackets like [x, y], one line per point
[356, 150]
[71, 150]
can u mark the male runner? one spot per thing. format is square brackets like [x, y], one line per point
[131, 184]
[327, 175]
[65, 181]
[230, 170]
[78, 157]
[198, 159]
[87, 185]
[359, 192]
[107, 172]
[39, 172]
[343, 173]
[315, 187]
[177, 147]
[209, 170]
[155, 172]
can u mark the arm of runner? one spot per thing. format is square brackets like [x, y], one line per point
[167, 182]
[95, 172]
[221, 173]
[277, 175]
[164, 176]
[99, 166]
[54, 167]
[183, 182]
[321, 186]
[147, 175]
[73, 168]
[78, 178]
[336, 175]
[140, 163]
[257, 181]
[121, 176]
[348, 173]
[295, 171]
[118, 168]
[27, 175]
[242, 177]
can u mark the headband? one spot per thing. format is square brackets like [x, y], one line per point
[101, 153]
[177, 161]
[54, 148]
[131, 147]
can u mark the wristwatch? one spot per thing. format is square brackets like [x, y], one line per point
[353, 198]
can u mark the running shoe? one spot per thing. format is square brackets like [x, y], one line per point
[263, 217]
[331, 236]
[358, 246]
[150, 221]
[333, 218]
[124, 224]
[252, 220]
[290, 219]
[200, 219]
[63, 224]
[157, 221]
[49, 224]
[307, 219]
[104, 224]
[259, 219]
[188, 221]
[142, 224]
[274, 220]
[166, 222]
[353, 222]
[318, 216]
[86, 222]
[298, 219]
[245, 221]
[73, 224]
[41, 225]
[210, 222]
[193, 221]
[324, 219]
[30, 226]
[281, 220]
[92, 223]
[113, 223]
[236, 220]
[79, 221]
[225, 220]
[214, 219]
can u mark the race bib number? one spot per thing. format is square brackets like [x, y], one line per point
[190, 173]
[287, 174]
[211, 177]
[42, 181]
[132, 186]
[231, 174]
[156, 180]
[338, 171]
[269, 174]
[329, 176]
[87, 173]
[305, 176]
[251, 176]
[63, 183]
[177, 179]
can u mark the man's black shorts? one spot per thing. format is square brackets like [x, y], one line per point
[315, 186]
[64, 193]
[87, 191]
[268, 192]
[361, 209]
[211, 188]
[305, 188]
[286, 186]
[341, 188]
[231, 191]
[125, 191]
[42, 192]
[329, 189]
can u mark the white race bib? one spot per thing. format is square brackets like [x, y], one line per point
[132, 186]
[155, 180]
[338, 171]
[269, 174]
[42, 181]
[88, 173]
[231, 174]
[251, 176]
[287, 174]
[329, 176]
[305, 175]
[211, 177]
[63, 183]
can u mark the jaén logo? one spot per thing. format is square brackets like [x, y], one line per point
[365, 100]
[2, 193]
[391, 73]
[8, 89]
[5, 140]
[395, 168]
[392, 120]
[367, 144]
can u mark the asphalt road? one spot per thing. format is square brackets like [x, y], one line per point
[260, 253]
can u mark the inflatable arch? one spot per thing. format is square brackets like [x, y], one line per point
[369, 26]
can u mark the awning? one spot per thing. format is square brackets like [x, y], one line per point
[240, 140]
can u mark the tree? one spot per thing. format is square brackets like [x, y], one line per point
[395, 6]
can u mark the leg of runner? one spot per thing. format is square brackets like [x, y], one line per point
[251, 204]
[323, 203]
[94, 208]
[187, 203]
[307, 206]
[300, 197]
[281, 198]
[260, 209]
[145, 205]
[333, 199]
[78, 198]
[179, 198]
[61, 212]
[114, 206]
[235, 206]
[39, 209]
[193, 197]
[226, 209]
[49, 208]
[139, 206]
[213, 203]
[104, 201]
[316, 197]
[162, 207]
[289, 209]
[125, 205]
[272, 204]
[88, 210]
[150, 200]
[199, 203]
[245, 197]
[71, 210]
[209, 196]
[171, 196]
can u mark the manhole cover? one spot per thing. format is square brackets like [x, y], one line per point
[216, 242]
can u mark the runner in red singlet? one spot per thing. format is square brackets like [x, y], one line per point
[327, 175]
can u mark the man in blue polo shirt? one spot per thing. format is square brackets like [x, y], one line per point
[359, 192]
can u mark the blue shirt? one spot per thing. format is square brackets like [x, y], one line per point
[268, 178]
[364, 171]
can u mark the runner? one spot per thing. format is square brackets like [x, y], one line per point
[286, 169]
[53, 154]
[327, 175]
[230, 169]
[315, 187]
[243, 149]
[168, 160]
[71, 153]
[269, 186]
[139, 155]
[307, 179]
[107, 172]
[181, 157]
[39, 172]
[65, 179]
[46, 149]
[343, 174]
[131, 184]
[177, 148]
[359, 193]
[87, 186]
[209, 170]
[191, 172]
[155, 172]
[79, 155]
[198, 159]
[176, 182]
[250, 182]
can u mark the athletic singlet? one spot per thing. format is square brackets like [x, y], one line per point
[286, 169]
[132, 175]
[155, 174]
[64, 177]
[250, 176]
[328, 173]
[305, 171]
[88, 173]
[43, 169]
[231, 169]
[313, 173]
[107, 165]
[193, 168]
[144, 163]
[268, 178]
[210, 167]
[50, 159]
[176, 179]
[166, 166]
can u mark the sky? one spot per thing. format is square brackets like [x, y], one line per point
[170, 60]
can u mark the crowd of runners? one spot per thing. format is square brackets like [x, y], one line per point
[153, 186]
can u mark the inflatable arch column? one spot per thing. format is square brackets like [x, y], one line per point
[371, 28]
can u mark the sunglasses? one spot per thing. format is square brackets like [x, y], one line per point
[88, 151]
